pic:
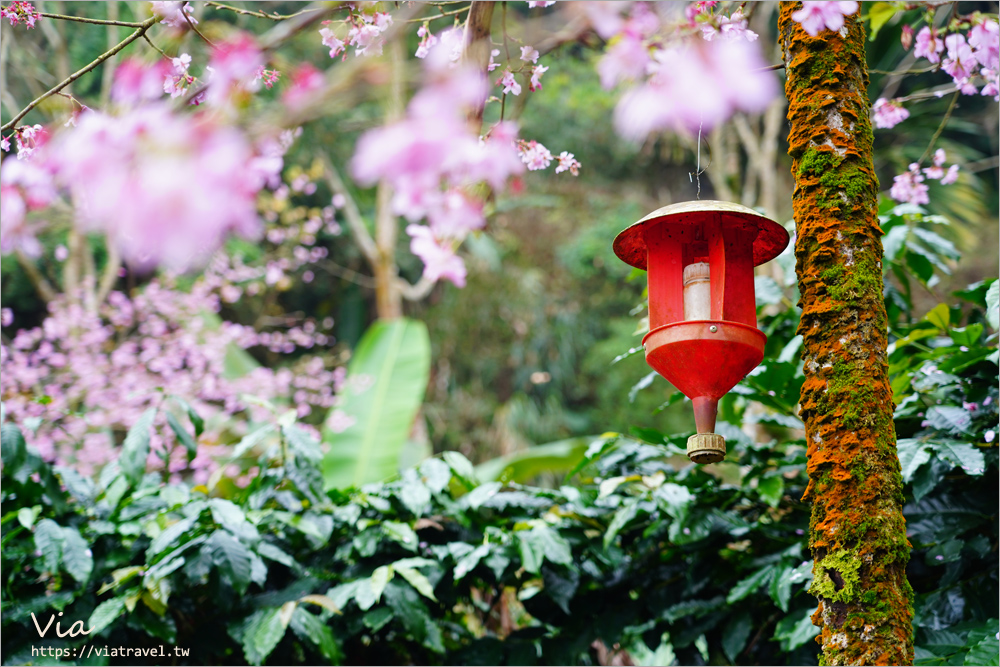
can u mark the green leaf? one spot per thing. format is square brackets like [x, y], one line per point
[736, 635]
[520, 467]
[77, 558]
[795, 630]
[939, 316]
[767, 291]
[309, 627]
[27, 516]
[993, 305]
[232, 558]
[462, 468]
[385, 385]
[781, 587]
[949, 418]
[640, 385]
[747, 586]
[985, 652]
[261, 634]
[183, 436]
[625, 513]
[13, 451]
[105, 614]
[960, 454]
[303, 444]
[196, 420]
[380, 579]
[237, 362]
[170, 535]
[135, 449]
[771, 489]
[49, 540]
[542, 543]
[402, 533]
[878, 14]
[469, 561]
[417, 579]
[894, 241]
[913, 453]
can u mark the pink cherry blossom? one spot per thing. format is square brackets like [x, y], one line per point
[984, 38]
[438, 256]
[135, 82]
[936, 171]
[306, 80]
[696, 85]
[24, 186]
[568, 163]
[951, 176]
[176, 83]
[267, 76]
[427, 41]
[888, 113]
[529, 54]
[5, 144]
[28, 138]
[330, 40]
[626, 59]
[910, 187]
[534, 155]
[536, 77]
[173, 13]
[906, 37]
[960, 62]
[694, 10]
[6, 317]
[604, 16]
[929, 45]
[729, 27]
[493, 64]
[366, 33]
[233, 65]
[20, 11]
[509, 83]
[166, 188]
[540, 3]
[814, 17]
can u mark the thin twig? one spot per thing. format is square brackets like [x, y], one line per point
[347, 274]
[139, 32]
[110, 275]
[417, 291]
[41, 284]
[195, 28]
[940, 129]
[261, 15]
[440, 16]
[353, 215]
[82, 19]
[161, 51]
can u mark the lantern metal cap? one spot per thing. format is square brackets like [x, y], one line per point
[630, 245]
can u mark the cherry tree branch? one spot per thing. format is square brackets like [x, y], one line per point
[83, 19]
[417, 291]
[262, 15]
[139, 32]
[41, 285]
[351, 212]
[940, 129]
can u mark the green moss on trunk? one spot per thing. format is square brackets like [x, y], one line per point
[857, 531]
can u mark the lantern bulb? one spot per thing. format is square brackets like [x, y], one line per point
[697, 292]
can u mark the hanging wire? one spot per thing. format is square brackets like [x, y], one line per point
[696, 174]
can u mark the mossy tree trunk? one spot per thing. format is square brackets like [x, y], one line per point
[857, 531]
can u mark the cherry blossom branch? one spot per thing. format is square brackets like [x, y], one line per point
[40, 283]
[82, 19]
[417, 291]
[347, 274]
[262, 15]
[191, 25]
[442, 15]
[940, 129]
[139, 32]
[353, 215]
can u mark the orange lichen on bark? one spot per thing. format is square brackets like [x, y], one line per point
[857, 531]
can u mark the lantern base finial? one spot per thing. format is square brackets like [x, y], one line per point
[706, 448]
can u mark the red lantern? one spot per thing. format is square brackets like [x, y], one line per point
[703, 336]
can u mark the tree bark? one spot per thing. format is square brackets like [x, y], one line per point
[857, 531]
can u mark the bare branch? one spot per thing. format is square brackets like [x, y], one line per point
[351, 212]
[139, 32]
[415, 292]
[110, 275]
[83, 19]
[41, 285]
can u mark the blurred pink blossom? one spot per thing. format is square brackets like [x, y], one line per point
[696, 85]
[330, 40]
[305, 81]
[233, 66]
[427, 41]
[984, 38]
[173, 13]
[567, 162]
[166, 188]
[24, 186]
[888, 113]
[814, 17]
[534, 155]
[729, 27]
[951, 176]
[536, 77]
[910, 187]
[625, 60]
[960, 62]
[438, 255]
[135, 82]
[540, 3]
